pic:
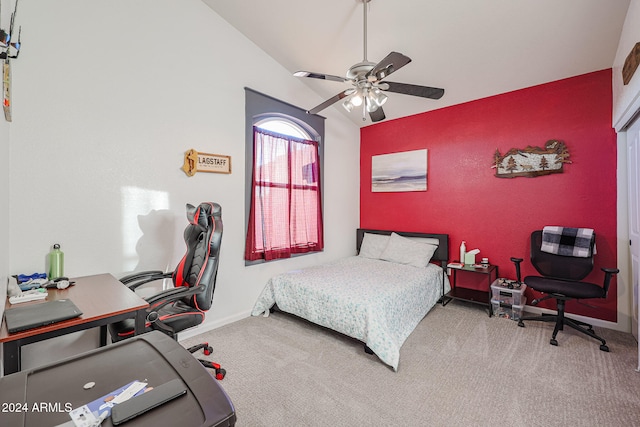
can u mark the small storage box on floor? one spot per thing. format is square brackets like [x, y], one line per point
[508, 311]
[501, 292]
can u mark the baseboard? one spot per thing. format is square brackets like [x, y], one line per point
[209, 326]
[595, 322]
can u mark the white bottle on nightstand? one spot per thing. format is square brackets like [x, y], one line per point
[463, 251]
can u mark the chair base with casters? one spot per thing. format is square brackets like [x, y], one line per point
[179, 316]
[184, 305]
[561, 320]
[561, 279]
[207, 350]
[125, 329]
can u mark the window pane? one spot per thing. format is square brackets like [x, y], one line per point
[283, 127]
[272, 160]
[272, 218]
[304, 219]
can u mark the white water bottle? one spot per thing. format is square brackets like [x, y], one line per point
[463, 251]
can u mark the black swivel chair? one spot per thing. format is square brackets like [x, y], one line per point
[561, 279]
[194, 279]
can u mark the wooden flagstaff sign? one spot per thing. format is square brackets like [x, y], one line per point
[205, 162]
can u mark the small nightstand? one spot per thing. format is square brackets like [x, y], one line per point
[473, 295]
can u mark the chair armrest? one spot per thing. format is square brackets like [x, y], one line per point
[608, 274]
[170, 295]
[157, 301]
[517, 262]
[140, 274]
[136, 279]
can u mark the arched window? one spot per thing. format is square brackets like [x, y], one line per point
[284, 126]
[284, 158]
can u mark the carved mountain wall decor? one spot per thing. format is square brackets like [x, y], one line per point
[532, 161]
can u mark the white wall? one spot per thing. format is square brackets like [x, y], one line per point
[107, 98]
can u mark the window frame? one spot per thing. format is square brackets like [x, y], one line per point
[260, 107]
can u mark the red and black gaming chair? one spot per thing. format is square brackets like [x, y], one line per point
[194, 279]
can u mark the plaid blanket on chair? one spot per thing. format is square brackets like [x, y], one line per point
[567, 241]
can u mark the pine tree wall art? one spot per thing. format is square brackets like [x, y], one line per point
[531, 161]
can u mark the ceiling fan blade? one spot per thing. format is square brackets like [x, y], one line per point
[377, 115]
[414, 90]
[330, 101]
[313, 75]
[392, 62]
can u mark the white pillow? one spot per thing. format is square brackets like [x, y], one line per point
[406, 251]
[373, 245]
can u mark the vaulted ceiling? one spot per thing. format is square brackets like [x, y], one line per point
[471, 48]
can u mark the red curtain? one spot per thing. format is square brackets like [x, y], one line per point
[286, 212]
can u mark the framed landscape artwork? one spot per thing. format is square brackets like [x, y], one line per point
[397, 172]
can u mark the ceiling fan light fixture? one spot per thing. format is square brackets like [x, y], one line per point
[378, 97]
[348, 105]
[371, 106]
[356, 99]
[352, 102]
[366, 78]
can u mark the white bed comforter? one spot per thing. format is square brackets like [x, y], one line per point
[377, 302]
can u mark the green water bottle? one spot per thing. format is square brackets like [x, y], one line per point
[56, 262]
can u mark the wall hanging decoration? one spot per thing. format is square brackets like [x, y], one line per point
[532, 161]
[631, 64]
[205, 162]
[405, 171]
[9, 49]
[6, 90]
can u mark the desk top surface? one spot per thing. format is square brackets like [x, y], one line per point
[486, 269]
[98, 297]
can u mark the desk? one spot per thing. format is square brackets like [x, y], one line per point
[102, 300]
[152, 356]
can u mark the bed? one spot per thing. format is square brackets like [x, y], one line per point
[377, 297]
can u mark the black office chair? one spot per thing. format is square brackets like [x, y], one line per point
[194, 279]
[561, 278]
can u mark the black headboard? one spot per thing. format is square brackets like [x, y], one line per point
[441, 254]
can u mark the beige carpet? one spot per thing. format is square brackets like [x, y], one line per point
[458, 368]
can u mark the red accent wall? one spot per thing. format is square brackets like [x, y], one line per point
[497, 215]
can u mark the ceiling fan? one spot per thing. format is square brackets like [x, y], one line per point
[368, 87]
